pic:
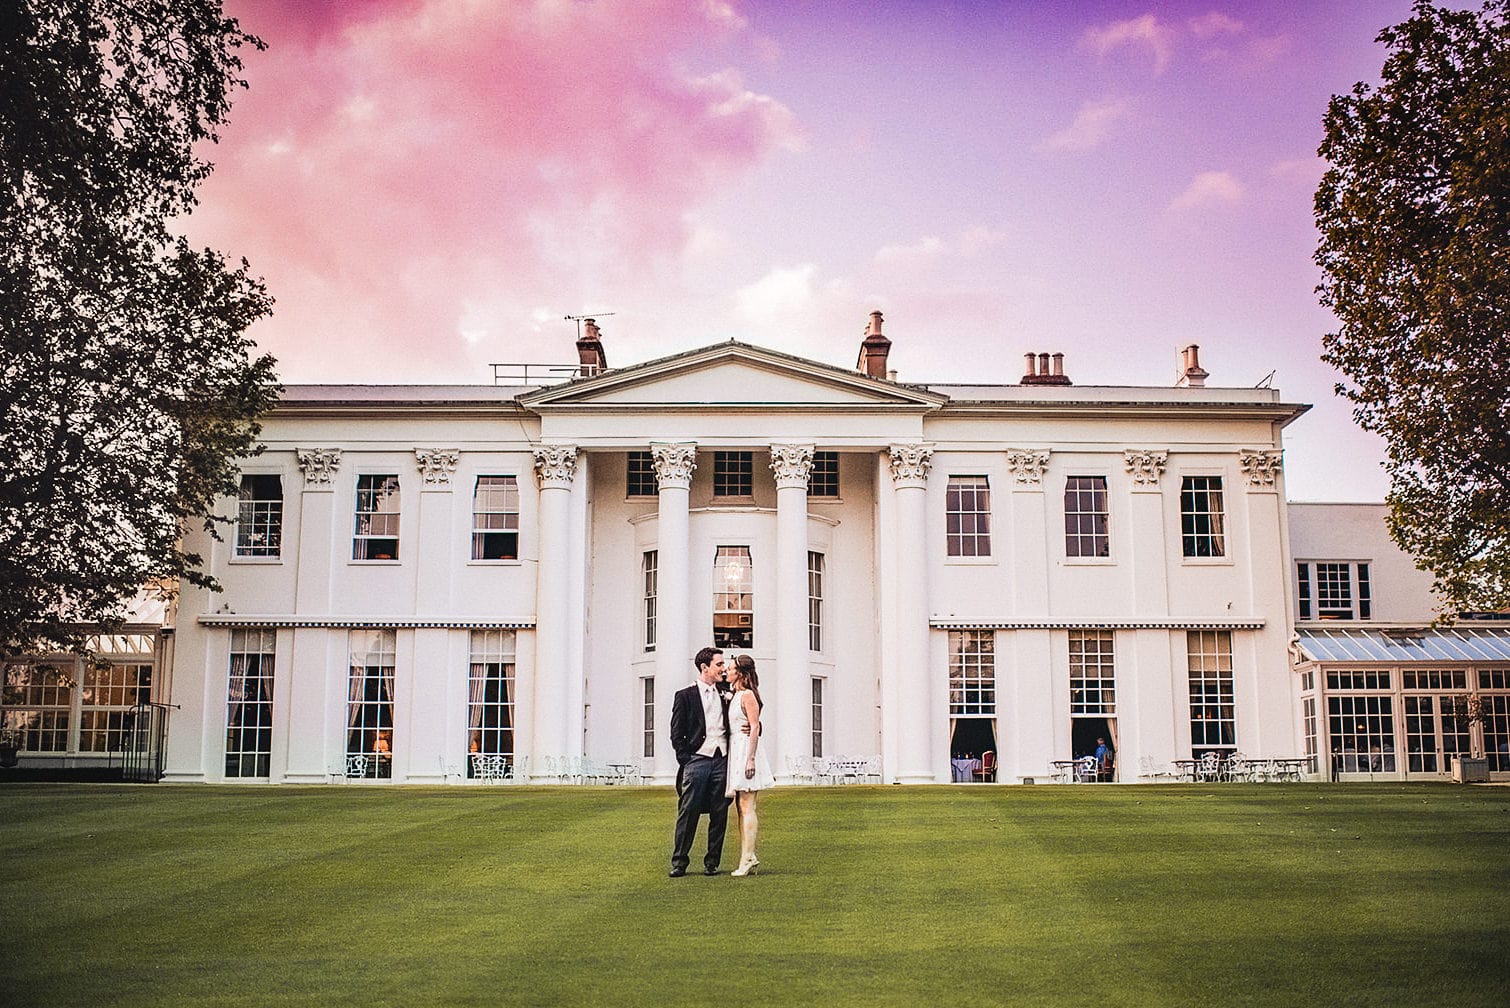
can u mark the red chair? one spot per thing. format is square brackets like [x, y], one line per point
[987, 771]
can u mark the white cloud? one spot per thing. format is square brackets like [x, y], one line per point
[1214, 23]
[1209, 189]
[780, 293]
[1146, 32]
[1092, 124]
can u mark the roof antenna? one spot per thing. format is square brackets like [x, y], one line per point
[579, 319]
[1267, 380]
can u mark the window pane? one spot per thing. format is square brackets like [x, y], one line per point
[490, 698]
[249, 704]
[733, 598]
[733, 473]
[967, 516]
[377, 514]
[259, 517]
[369, 703]
[824, 479]
[972, 672]
[1086, 517]
[1201, 522]
[495, 518]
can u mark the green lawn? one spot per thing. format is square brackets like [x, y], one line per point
[969, 896]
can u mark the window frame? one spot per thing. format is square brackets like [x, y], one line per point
[960, 490]
[733, 475]
[1211, 669]
[823, 479]
[972, 673]
[1308, 585]
[382, 644]
[638, 467]
[738, 635]
[816, 566]
[1098, 538]
[650, 580]
[481, 531]
[492, 695]
[1093, 673]
[362, 541]
[254, 513]
[1214, 535]
[257, 648]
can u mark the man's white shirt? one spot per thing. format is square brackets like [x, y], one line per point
[717, 737]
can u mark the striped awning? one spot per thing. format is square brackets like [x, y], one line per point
[1445, 644]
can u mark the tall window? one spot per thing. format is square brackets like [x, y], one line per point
[650, 572]
[490, 696]
[1361, 721]
[1213, 722]
[733, 598]
[817, 718]
[647, 689]
[108, 694]
[815, 601]
[1326, 590]
[1086, 517]
[495, 518]
[639, 477]
[967, 513]
[972, 672]
[369, 703]
[249, 704]
[38, 700]
[1093, 687]
[259, 517]
[377, 519]
[823, 481]
[733, 473]
[1201, 516]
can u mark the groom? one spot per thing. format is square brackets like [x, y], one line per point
[700, 736]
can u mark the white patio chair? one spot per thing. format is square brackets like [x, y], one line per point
[1085, 770]
[1210, 768]
[1235, 769]
[1149, 770]
[356, 765]
[800, 768]
[873, 770]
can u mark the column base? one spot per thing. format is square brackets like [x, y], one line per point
[917, 778]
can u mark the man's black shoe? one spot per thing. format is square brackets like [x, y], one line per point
[676, 873]
[710, 871]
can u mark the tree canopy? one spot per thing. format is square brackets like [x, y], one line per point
[128, 388]
[1414, 221]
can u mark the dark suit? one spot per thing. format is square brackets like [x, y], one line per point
[700, 781]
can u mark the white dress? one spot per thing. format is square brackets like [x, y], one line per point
[739, 748]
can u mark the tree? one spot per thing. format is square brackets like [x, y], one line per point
[127, 386]
[1414, 216]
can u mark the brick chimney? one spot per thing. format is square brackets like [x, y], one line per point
[1191, 375]
[1041, 372]
[590, 350]
[873, 350]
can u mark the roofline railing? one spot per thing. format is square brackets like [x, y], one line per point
[535, 374]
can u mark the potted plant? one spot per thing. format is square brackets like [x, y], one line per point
[10, 746]
[1469, 712]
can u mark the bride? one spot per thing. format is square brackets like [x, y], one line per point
[749, 769]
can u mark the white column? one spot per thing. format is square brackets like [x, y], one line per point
[788, 692]
[909, 476]
[673, 662]
[422, 739]
[555, 465]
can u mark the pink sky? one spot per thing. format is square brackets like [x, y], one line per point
[429, 186]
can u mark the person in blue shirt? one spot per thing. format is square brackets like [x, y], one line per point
[1104, 760]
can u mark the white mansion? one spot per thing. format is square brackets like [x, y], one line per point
[434, 584]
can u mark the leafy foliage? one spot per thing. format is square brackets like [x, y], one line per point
[1414, 215]
[127, 386]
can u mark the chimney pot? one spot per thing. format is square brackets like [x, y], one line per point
[590, 356]
[1058, 365]
[1191, 375]
[1045, 369]
[874, 349]
[1030, 363]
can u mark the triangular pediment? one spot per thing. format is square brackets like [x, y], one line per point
[732, 374]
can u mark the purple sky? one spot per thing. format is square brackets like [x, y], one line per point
[429, 186]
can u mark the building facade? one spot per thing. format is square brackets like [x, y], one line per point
[437, 584]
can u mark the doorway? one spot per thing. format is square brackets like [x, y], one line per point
[970, 739]
[1086, 736]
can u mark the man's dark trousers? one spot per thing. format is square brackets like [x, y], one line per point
[703, 783]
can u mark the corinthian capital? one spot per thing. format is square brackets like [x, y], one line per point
[437, 464]
[1027, 465]
[1260, 467]
[555, 465]
[1145, 466]
[319, 466]
[792, 464]
[910, 464]
[674, 463]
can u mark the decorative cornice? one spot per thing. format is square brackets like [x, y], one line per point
[319, 466]
[910, 464]
[436, 465]
[792, 464]
[1261, 467]
[1027, 465]
[950, 623]
[674, 463]
[555, 465]
[280, 621]
[1145, 465]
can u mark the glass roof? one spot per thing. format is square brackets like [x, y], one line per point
[1444, 644]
